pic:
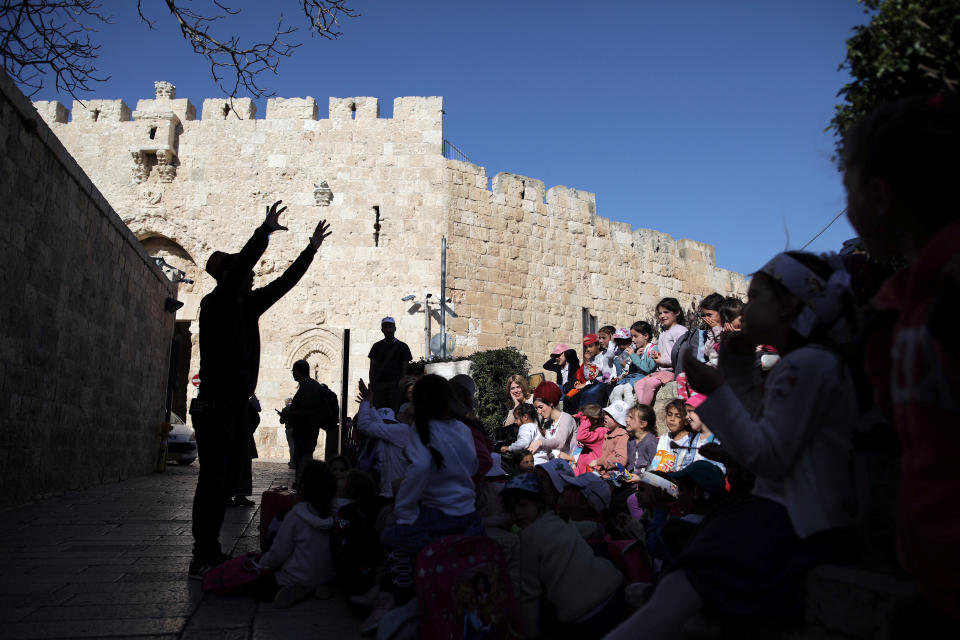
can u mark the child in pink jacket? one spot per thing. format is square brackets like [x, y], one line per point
[590, 435]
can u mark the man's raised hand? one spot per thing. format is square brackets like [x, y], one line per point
[320, 234]
[273, 217]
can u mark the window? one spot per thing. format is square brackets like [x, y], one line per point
[589, 321]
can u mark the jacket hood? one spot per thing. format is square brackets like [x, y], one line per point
[307, 513]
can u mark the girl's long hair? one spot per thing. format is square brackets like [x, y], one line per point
[431, 399]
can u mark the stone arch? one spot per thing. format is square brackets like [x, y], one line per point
[323, 349]
[158, 244]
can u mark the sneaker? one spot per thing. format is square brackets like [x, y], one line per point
[199, 566]
[324, 592]
[289, 596]
[382, 607]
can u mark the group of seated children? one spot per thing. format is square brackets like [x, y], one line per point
[613, 523]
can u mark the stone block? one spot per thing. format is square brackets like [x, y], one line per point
[100, 111]
[292, 109]
[229, 110]
[52, 111]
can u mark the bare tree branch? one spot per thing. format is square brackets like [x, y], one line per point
[41, 37]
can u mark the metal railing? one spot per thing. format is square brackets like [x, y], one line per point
[451, 152]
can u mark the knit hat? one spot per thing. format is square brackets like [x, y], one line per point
[524, 483]
[590, 338]
[560, 348]
[706, 475]
[549, 392]
[617, 411]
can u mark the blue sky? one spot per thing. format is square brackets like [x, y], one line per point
[698, 118]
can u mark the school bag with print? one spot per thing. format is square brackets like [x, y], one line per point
[464, 591]
[236, 576]
[664, 459]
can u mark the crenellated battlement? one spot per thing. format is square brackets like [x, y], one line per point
[425, 110]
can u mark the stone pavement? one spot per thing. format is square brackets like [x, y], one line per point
[111, 562]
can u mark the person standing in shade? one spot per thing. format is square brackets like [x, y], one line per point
[307, 413]
[229, 366]
[389, 359]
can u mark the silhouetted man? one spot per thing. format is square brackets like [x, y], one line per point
[314, 407]
[229, 365]
[389, 359]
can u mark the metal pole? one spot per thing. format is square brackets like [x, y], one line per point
[426, 328]
[344, 390]
[443, 298]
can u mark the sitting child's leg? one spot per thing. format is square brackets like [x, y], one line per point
[647, 387]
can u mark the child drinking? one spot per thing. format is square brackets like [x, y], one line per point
[590, 436]
[640, 352]
[797, 442]
[709, 313]
[555, 561]
[300, 554]
[607, 350]
[670, 315]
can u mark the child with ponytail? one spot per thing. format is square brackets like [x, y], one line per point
[436, 497]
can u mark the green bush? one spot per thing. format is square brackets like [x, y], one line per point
[490, 371]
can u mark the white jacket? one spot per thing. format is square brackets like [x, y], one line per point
[449, 489]
[798, 440]
[301, 550]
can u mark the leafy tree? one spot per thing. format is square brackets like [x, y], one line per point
[42, 39]
[910, 47]
[490, 371]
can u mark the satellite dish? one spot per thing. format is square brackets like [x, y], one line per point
[436, 343]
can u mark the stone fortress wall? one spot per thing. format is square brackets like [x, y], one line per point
[522, 261]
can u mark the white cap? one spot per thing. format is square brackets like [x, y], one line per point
[618, 411]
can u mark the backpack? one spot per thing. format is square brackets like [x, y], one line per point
[464, 591]
[236, 576]
[685, 346]
[330, 408]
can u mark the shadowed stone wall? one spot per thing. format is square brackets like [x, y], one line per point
[85, 339]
